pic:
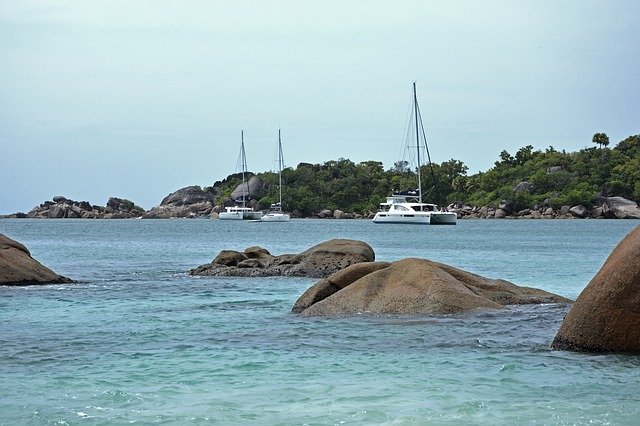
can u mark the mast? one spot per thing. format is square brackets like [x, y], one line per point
[280, 161]
[415, 112]
[243, 160]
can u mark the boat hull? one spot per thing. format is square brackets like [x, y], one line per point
[417, 218]
[240, 215]
[275, 217]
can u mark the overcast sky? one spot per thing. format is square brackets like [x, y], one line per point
[136, 99]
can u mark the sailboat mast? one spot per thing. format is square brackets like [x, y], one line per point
[279, 169]
[243, 160]
[415, 112]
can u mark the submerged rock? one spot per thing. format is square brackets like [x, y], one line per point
[606, 315]
[412, 286]
[17, 267]
[318, 261]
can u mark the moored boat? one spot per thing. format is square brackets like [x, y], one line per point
[408, 207]
[240, 211]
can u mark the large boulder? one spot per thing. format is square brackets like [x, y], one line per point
[318, 261]
[619, 207]
[579, 211]
[606, 315]
[412, 286]
[17, 267]
[254, 189]
[188, 202]
[188, 195]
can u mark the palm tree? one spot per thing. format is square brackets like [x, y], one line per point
[601, 139]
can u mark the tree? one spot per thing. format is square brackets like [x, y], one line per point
[601, 139]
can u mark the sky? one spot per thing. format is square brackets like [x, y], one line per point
[136, 99]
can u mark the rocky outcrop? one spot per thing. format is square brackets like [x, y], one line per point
[188, 202]
[64, 208]
[318, 261]
[253, 189]
[412, 286]
[606, 315]
[17, 267]
[604, 208]
[618, 207]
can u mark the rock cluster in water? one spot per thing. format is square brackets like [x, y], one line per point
[318, 261]
[606, 315]
[17, 267]
[412, 286]
[64, 208]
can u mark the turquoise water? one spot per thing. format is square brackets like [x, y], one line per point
[141, 341]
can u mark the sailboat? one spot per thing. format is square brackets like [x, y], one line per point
[408, 207]
[240, 211]
[275, 213]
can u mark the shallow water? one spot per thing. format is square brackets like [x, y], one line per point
[141, 341]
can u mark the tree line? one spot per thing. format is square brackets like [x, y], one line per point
[527, 178]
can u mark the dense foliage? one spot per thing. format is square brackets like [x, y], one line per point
[551, 177]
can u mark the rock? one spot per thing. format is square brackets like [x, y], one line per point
[17, 267]
[596, 212]
[339, 214]
[229, 258]
[564, 210]
[188, 202]
[187, 196]
[318, 261]
[325, 213]
[548, 212]
[506, 206]
[525, 212]
[57, 212]
[327, 286]
[525, 187]
[59, 199]
[619, 207]
[256, 252]
[253, 189]
[554, 169]
[579, 211]
[606, 315]
[535, 214]
[500, 214]
[413, 286]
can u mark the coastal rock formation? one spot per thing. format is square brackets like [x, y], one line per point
[61, 207]
[253, 189]
[604, 208]
[17, 267]
[412, 286]
[619, 207]
[318, 261]
[606, 315]
[188, 202]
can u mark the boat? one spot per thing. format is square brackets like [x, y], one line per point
[275, 213]
[240, 211]
[408, 207]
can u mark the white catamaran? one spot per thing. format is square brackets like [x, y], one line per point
[240, 211]
[275, 213]
[407, 207]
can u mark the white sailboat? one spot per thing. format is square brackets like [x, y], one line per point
[407, 207]
[240, 211]
[275, 213]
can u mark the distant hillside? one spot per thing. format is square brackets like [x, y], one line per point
[527, 178]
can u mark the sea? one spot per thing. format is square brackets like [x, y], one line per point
[139, 340]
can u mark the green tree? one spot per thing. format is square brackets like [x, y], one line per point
[601, 139]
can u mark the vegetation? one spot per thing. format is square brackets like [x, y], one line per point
[527, 178]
